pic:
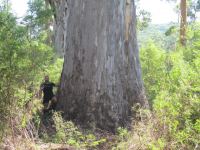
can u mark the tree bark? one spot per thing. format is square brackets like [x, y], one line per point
[183, 23]
[101, 77]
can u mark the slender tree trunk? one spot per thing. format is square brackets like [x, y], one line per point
[183, 23]
[101, 77]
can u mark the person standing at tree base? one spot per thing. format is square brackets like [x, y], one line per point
[49, 99]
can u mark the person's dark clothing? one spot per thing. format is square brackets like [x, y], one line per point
[47, 88]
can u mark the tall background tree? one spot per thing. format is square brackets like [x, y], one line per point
[183, 23]
[101, 77]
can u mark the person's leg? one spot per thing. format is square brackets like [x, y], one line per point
[54, 103]
[45, 108]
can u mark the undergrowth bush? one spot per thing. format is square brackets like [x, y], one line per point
[68, 133]
[172, 85]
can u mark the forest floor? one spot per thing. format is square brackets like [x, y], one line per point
[48, 125]
[46, 136]
[20, 144]
[53, 146]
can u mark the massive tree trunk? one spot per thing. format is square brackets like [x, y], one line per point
[101, 77]
[183, 23]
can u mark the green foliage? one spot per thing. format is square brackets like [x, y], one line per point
[123, 136]
[172, 84]
[157, 145]
[122, 133]
[143, 17]
[153, 68]
[39, 17]
[171, 79]
[9, 47]
[170, 31]
[164, 35]
[54, 70]
[25, 55]
[194, 8]
[67, 132]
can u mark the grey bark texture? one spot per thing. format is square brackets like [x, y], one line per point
[101, 77]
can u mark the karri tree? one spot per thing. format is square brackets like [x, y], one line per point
[183, 21]
[101, 77]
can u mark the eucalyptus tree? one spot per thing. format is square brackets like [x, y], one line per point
[101, 78]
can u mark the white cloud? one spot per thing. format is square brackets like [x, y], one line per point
[19, 7]
[161, 11]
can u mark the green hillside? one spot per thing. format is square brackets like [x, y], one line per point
[156, 32]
